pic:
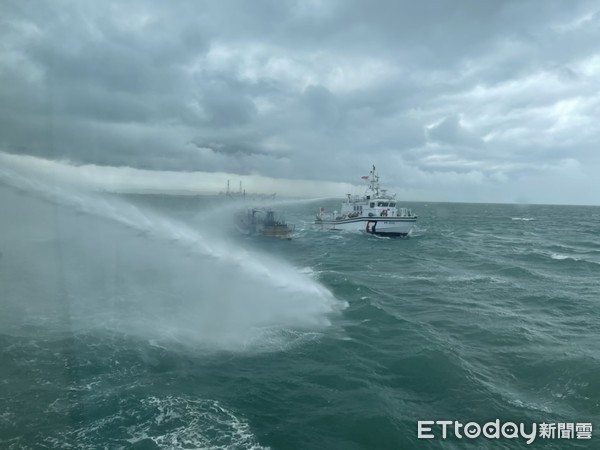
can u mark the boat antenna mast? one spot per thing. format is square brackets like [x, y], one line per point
[374, 182]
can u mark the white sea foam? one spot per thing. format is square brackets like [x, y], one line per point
[193, 423]
[561, 256]
[475, 278]
[173, 422]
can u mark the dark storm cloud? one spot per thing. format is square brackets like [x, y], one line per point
[437, 92]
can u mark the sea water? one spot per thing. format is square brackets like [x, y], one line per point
[147, 322]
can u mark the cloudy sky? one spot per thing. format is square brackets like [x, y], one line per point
[493, 101]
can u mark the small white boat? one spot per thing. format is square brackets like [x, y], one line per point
[376, 212]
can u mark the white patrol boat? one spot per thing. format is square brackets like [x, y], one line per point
[375, 213]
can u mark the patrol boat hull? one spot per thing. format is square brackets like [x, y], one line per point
[381, 226]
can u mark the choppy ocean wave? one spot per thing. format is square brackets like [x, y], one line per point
[133, 322]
